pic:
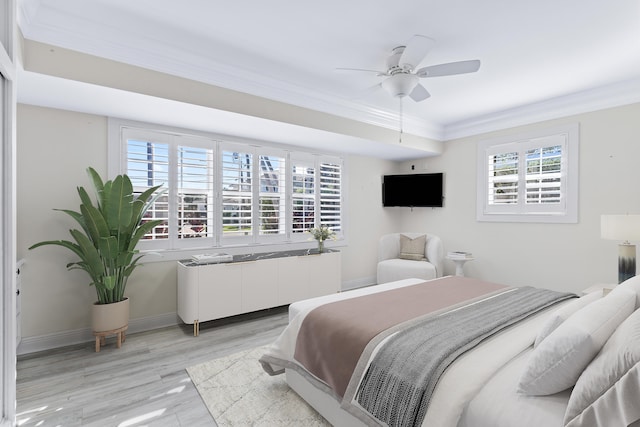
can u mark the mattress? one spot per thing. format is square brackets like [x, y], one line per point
[459, 385]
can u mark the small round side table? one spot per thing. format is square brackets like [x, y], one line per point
[460, 264]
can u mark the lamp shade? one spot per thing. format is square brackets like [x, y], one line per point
[620, 227]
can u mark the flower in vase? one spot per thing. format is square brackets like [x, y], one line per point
[322, 233]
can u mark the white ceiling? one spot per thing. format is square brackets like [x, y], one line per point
[540, 59]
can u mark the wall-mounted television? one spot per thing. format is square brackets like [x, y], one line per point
[414, 190]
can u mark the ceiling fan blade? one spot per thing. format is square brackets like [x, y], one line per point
[379, 73]
[419, 93]
[415, 51]
[367, 92]
[448, 69]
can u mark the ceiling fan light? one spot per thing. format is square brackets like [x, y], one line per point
[401, 84]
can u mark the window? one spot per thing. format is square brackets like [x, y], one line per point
[331, 195]
[303, 195]
[272, 195]
[530, 178]
[225, 193]
[237, 194]
[195, 192]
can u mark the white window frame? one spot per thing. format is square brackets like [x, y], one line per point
[173, 140]
[566, 211]
[117, 164]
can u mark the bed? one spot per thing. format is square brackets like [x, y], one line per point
[497, 377]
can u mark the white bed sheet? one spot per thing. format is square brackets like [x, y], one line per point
[460, 383]
[306, 305]
[499, 405]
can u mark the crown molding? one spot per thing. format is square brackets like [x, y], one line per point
[614, 95]
[150, 52]
[153, 54]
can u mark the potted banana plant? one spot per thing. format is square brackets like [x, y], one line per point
[106, 243]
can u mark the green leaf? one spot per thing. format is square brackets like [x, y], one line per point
[95, 223]
[84, 197]
[105, 198]
[64, 243]
[109, 282]
[136, 211]
[95, 177]
[112, 228]
[144, 196]
[75, 215]
[89, 255]
[124, 259]
[119, 206]
[153, 199]
[141, 231]
[108, 247]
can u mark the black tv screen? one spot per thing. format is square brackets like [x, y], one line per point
[415, 190]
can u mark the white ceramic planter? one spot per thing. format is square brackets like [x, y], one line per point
[109, 317]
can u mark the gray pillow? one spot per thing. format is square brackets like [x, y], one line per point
[412, 249]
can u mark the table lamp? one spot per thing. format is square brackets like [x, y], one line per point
[623, 228]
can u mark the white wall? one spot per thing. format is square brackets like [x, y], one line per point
[558, 256]
[54, 149]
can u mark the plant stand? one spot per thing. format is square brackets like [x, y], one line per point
[119, 333]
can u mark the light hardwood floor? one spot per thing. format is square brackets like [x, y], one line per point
[144, 383]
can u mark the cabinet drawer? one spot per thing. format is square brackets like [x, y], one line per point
[220, 291]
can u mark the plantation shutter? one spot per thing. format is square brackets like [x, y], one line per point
[222, 193]
[195, 192]
[148, 166]
[303, 196]
[544, 174]
[272, 195]
[331, 195]
[527, 176]
[237, 194]
[503, 178]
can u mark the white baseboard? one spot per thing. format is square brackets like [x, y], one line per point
[78, 336]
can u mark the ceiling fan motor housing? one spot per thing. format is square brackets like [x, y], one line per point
[400, 84]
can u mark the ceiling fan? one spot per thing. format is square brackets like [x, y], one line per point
[402, 77]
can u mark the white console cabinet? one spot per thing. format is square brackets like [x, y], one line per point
[213, 291]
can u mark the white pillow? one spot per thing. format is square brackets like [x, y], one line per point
[609, 388]
[558, 361]
[560, 315]
[632, 284]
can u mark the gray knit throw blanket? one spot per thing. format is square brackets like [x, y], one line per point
[398, 384]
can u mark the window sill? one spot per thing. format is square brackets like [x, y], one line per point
[182, 254]
[552, 218]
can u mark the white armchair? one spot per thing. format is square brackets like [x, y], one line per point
[391, 267]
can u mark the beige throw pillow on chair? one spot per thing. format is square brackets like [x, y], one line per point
[412, 249]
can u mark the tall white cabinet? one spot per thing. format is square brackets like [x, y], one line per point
[213, 291]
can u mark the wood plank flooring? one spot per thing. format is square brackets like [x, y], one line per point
[144, 383]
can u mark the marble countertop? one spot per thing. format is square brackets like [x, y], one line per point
[260, 255]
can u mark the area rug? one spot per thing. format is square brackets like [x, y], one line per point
[238, 392]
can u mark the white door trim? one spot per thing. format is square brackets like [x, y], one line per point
[7, 213]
